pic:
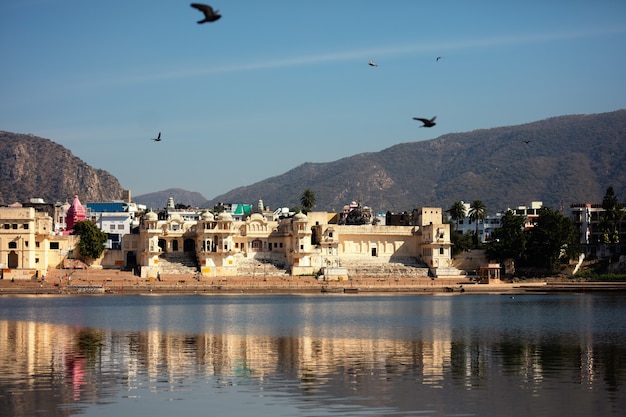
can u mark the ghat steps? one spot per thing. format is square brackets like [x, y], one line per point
[178, 263]
[261, 266]
[405, 268]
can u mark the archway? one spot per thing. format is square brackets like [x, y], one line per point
[257, 245]
[162, 244]
[189, 245]
[13, 260]
[131, 259]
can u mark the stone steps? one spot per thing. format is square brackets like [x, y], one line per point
[178, 263]
[381, 269]
[250, 266]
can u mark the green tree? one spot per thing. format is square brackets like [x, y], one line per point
[307, 200]
[92, 239]
[553, 237]
[477, 212]
[509, 240]
[611, 218]
[457, 212]
[460, 242]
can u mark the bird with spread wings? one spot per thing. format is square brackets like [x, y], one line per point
[210, 15]
[427, 122]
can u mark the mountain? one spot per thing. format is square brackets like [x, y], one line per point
[560, 160]
[158, 199]
[31, 166]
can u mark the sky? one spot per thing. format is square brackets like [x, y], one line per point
[275, 84]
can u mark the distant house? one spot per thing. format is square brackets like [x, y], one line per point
[587, 218]
[113, 218]
[494, 221]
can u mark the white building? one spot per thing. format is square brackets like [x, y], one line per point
[494, 221]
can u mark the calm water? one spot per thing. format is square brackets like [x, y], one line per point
[322, 355]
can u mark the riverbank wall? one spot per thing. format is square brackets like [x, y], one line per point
[113, 282]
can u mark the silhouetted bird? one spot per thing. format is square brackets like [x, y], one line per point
[438, 58]
[526, 142]
[209, 14]
[372, 64]
[427, 122]
[158, 138]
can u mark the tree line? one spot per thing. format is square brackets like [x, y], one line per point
[552, 240]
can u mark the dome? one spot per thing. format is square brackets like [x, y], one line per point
[176, 218]
[300, 217]
[207, 216]
[151, 216]
[224, 217]
[75, 214]
[257, 216]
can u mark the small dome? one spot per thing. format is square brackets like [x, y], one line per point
[300, 217]
[151, 216]
[257, 216]
[224, 217]
[176, 217]
[207, 216]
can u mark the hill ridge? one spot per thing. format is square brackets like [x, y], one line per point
[571, 158]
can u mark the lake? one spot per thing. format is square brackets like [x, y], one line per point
[313, 355]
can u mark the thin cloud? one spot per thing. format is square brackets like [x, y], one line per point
[342, 56]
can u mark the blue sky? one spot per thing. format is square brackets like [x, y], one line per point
[275, 84]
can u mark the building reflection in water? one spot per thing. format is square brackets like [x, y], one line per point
[47, 364]
[50, 366]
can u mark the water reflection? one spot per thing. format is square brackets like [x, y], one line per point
[441, 368]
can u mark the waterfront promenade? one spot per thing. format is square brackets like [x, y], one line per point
[120, 282]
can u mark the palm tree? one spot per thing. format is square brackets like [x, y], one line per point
[477, 212]
[307, 200]
[457, 212]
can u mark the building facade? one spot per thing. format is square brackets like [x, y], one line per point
[588, 218]
[29, 244]
[304, 244]
[494, 221]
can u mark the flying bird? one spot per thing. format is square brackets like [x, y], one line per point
[372, 63]
[210, 15]
[526, 142]
[438, 58]
[158, 138]
[427, 122]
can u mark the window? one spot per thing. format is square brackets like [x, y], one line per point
[441, 251]
[14, 226]
[7, 226]
[12, 245]
[25, 225]
[54, 245]
[36, 244]
[120, 227]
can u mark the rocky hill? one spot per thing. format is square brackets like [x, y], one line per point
[31, 166]
[560, 160]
